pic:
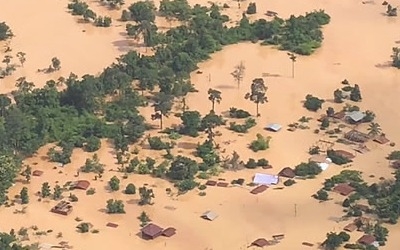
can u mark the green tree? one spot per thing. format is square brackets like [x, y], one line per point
[45, 190]
[146, 196]
[5, 31]
[27, 173]
[338, 96]
[257, 93]
[214, 96]
[191, 121]
[57, 192]
[7, 60]
[9, 168]
[251, 9]
[143, 11]
[5, 102]
[83, 227]
[313, 103]
[144, 219]
[115, 206]
[333, 241]
[182, 168]
[162, 106]
[114, 183]
[24, 195]
[355, 94]
[89, 15]
[292, 57]
[374, 129]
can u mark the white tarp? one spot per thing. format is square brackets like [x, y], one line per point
[266, 179]
[324, 165]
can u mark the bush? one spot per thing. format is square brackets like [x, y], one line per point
[395, 155]
[314, 150]
[313, 103]
[186, 185]
[345, 236]
[91, 191]
[289, 182]
[262, 162]
[346, 203]
[115, 206]
[156, 143]
[238, 113]
[113, 183]
[92, 144]
[130, 189]
[202, 187]
[321, 195]
[261, 143]
[243, 128]
[251, 163]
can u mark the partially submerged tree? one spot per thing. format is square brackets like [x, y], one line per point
[146, 195]
[215, 97]
[238, 73]
[162, 106]
[292, 57]
[257, 93]
[374, 129]
[21, 58]
[5, 31]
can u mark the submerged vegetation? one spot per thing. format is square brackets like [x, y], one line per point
[106, 106]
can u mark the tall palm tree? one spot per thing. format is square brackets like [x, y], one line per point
[374, 129]
[238, 73]
[292, 57]
[214, 96]
[257, 93]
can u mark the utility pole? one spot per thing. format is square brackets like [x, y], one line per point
[292, 57]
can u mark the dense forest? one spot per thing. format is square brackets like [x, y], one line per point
[106, 106]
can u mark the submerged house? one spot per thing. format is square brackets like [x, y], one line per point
[63, 208]
[151, 231]
[355, 116]
[356, 136]
[209, 215]
[265, 179]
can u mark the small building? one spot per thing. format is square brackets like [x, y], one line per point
[81, 184]
[274, 127]
[344, 154]
[287, 172]
[37, 173]
[63, 208]
[259, 189]
[169, 232]
[271, 13]
[350, 227]
[261, 242]
[355, 116]
[211, 183]
[265, 179]
[381, 139]
[209, 215]
[151, 231]
[339, 115]
[343, 189]
[222, 184]
[319, 159]
[356, 136]
[112, 225]
[278, 236]
[366, 239]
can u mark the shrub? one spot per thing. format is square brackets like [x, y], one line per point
[395, 155]
[186, 185]
[130, 189]
[289, 182]
[261, 143]
[345, 236]
[346, 203]
[115, 206]
[243, 128]
[91, 191]
[251, 163]
[238, 113]
[114, 183]
[262, 162]
[314, 150]
[321, 195]
[156, 143]
[202, 187]
[337, 159]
